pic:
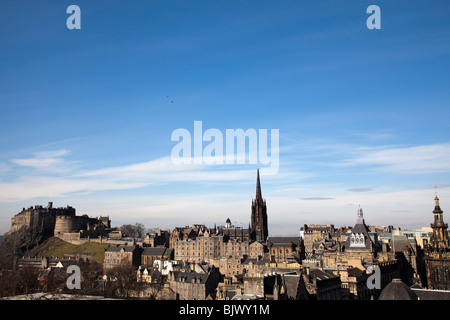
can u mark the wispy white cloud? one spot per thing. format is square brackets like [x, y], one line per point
[71, 178]
[283, 198]
[47, 161]
[409, 160]
[163, 170]
[417, 159]
[360, 189]
[318, 198]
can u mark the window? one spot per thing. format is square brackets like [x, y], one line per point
[436, 274]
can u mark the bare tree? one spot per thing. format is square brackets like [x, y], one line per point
[14, 281]
[136, 231]
[122, 282]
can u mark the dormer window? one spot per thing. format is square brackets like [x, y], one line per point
[357, 240]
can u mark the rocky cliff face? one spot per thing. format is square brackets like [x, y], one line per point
[22, 240]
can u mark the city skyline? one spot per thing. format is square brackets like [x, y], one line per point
[363, 115]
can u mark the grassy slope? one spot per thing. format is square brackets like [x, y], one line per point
[55, 247]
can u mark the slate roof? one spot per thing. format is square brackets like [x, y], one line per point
[327, 244]
[283, 241]
[65, 262]
[157, 251]
[426, 294]
[355, 272]
[320, 275]
[117, 248]
[236, 232]
[359, 228]
[401, 243]
[192, 277]
[255, 261]
[291, 283]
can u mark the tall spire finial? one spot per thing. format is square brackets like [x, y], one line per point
[258, 186]
[436, 201]
[359, 215]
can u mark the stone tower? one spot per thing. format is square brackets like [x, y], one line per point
[259, 229]
[439, 238]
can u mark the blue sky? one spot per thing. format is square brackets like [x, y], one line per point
[363, 115]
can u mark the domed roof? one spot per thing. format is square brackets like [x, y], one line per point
[228, 221]
[397, 290]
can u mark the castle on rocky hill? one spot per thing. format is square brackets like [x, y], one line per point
[60, 222]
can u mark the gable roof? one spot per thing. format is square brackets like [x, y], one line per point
[291, 283]
[156, 251]
[118, 248]
[283, 241]
[192, 277]
[359, 231]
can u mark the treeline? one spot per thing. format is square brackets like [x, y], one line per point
[119, 282]
[138, 230]
[23, 281]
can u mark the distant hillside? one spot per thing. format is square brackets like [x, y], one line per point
[55, 247]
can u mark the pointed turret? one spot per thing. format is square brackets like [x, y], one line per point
[359, 216]
[436, 203]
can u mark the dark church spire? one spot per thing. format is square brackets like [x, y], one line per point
[259, 229]
[258, 186]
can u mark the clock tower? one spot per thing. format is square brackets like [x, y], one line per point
[439, 238]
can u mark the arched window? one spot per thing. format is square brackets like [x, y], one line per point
[436, 274]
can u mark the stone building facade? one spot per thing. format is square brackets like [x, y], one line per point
[204, 248]
[285, 249]
[122, 256]
[195, 285]
[150, 254]
[315, 232]
[197, 243]
[438, 270]
[437, 253]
